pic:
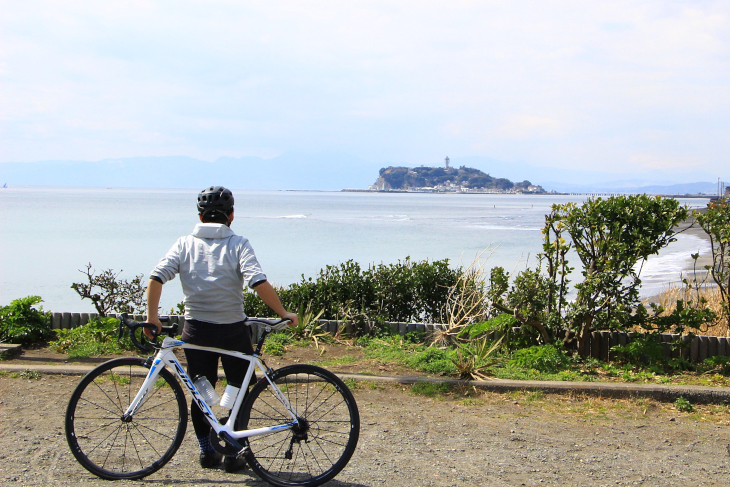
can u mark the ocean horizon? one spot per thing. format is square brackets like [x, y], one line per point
[49, 234]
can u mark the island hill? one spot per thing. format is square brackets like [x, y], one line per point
[447, 180]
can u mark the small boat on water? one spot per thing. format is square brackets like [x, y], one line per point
[5, 185]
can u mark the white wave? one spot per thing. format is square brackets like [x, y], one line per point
[292, 216]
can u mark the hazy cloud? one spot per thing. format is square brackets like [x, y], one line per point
[624, 85]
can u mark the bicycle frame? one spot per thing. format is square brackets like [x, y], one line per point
[166, 358]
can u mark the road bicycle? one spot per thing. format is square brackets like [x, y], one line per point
[297, 426]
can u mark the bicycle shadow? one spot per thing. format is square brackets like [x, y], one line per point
[249, 478]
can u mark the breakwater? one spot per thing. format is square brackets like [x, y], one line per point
[695, 349]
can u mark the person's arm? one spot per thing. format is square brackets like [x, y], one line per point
[268, 295]
[154, 292]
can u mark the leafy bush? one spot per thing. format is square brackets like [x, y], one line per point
[683, 405]
[404, 291]
[433, 360]
[719, 363]
[97, 337]
[543, 358]
[644, 350]
[21, 323]
[276, 342]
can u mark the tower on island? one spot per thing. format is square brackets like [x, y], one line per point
[446, 162]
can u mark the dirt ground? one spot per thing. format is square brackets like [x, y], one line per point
[467, 439]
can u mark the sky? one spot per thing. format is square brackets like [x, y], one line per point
[622, 86]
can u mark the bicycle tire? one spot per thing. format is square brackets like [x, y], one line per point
[323, 450]
[105, 444]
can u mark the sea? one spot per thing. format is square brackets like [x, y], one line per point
[49, 234]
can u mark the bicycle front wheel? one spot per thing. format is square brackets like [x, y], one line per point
[113, 447]
[321, 446]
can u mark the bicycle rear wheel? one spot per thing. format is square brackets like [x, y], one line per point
[111, 447]
[326, 439]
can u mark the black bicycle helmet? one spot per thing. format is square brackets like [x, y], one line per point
[215, 199]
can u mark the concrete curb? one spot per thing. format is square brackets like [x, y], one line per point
[663, 393]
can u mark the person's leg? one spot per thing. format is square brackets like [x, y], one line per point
[206, 364]
[238, 338]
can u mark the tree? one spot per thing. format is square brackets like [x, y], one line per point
[109, 293]
[613, 238]
[715, 221]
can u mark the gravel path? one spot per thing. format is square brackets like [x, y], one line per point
[411, 440]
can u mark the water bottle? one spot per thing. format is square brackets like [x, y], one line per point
[207, 392]
[229, 396]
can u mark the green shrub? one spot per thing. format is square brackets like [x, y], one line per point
[433, 360]
[276, 342]
[683, 405]
[543, 358]
[502, 323]
[644, 350]
[404, 291]
[97, 337]
[722, 364]
[20, 322]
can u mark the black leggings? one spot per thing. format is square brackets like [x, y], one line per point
[229, 336]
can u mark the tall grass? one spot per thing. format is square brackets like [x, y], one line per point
[673, 292]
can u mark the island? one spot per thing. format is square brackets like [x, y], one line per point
[447, 179]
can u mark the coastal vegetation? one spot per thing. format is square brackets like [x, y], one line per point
[447, 178]
[532, 324]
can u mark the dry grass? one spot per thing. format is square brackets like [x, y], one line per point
[466, 302]
[669, 296]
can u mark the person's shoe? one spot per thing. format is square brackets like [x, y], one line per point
[233, 464]
[210, 459]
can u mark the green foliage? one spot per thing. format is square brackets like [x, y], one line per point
[612, 238]
[406, 291]
[276, 343]
[721, 364]
[475, 356]
[430, 389]
[394, 349]
[543, 358]
[21, 322]
[502, 323]
[97, 337]
[110, 294]
[433, 360]
[643, 350]
[684, 405]
[715, 221]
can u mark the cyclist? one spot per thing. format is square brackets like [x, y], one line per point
[214, 263]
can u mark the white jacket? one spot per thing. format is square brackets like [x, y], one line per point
[214, 263]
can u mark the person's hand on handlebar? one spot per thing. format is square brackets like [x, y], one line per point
[155, 321]
[292, 317]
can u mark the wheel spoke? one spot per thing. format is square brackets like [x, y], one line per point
[111, 447]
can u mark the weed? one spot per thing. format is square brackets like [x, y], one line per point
[430, 389]
[97, 337]
[684, 405]
[543, 358]
[345, 359]
[351, 384]
[30, 374]
[276, 343]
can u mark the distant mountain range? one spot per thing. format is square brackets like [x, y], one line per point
[290, 171]
[320, 171]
